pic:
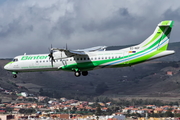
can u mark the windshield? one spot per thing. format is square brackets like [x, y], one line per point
[15, 60]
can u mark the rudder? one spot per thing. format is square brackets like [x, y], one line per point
[160, 37]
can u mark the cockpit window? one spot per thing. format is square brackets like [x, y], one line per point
[15, 60]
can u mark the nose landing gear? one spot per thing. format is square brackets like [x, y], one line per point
[14, 74]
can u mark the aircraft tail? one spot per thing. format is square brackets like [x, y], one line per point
[160, 38]
[155, 46]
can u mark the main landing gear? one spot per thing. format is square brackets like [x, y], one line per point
[78, 73]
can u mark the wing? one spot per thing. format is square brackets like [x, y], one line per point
[92, 49]
[82, 52]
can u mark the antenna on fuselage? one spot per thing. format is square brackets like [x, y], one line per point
[24, 54]
[66, 46]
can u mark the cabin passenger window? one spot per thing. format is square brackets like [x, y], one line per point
[36, 61]
[81, 58]
[84, 58]
[77, 58]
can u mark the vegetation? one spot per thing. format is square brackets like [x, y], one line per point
[153, 81]
[27, 111]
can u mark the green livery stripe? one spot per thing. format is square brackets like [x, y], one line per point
[144, 58]
[163, 48]
[161, 30]
[159, 33]
[157, 44]
[163, 36]
[146, 52]
[89, 65]
[10, 62]
[93, 64]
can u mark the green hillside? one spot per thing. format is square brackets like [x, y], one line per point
[146, 79]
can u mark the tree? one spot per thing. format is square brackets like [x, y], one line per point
[8, 109]
[109, 111]
[177, 115]
[41, 91]
[27, 111]
[98, 111]
[168, 114]
[74, 109]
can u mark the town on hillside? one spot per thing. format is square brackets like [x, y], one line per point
[28, 106]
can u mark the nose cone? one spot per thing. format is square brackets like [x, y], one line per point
[6, 67]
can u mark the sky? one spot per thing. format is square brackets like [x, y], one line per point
[31, 26]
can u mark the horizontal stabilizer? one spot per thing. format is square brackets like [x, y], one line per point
[162, 54]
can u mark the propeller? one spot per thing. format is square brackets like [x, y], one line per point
[51, 57]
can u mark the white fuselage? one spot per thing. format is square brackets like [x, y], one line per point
[41, 62]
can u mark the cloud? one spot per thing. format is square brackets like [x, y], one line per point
[32, 26]
[172, 14]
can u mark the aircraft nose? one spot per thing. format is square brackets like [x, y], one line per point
[6, 67]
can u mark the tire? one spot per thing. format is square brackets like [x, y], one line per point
[77, 73]
[15, 76]
[84, 73]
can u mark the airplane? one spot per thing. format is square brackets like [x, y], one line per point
[83, 60]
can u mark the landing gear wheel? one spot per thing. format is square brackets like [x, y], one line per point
[77, 73]
[15, 76]
[84, 73]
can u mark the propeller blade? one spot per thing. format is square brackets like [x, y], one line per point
[51, 57]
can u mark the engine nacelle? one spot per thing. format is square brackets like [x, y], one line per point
[59, 55]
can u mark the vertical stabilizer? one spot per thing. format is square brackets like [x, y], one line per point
[160, 37]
